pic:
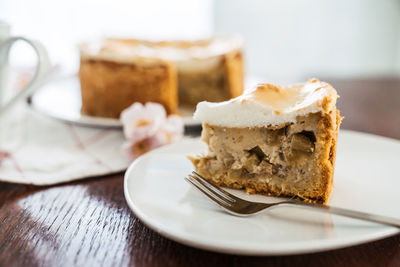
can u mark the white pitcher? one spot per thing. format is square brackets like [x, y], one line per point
[12, 112]
[42, 68]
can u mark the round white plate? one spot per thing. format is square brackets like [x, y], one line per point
[366, 179]
[61, 99]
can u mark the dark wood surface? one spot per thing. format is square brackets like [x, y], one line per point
[88, 223]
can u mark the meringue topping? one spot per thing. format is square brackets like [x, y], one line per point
[180, 52]
[269, 105]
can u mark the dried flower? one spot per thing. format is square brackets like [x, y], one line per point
[148, 126]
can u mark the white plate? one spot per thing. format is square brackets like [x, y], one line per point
[61, 99]
[366, 179]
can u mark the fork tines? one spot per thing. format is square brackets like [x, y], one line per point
[218, 195]
[215, 188]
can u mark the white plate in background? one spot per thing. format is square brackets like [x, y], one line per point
[61, 99]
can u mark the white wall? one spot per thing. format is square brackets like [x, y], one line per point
[61, 24]
[288, 40]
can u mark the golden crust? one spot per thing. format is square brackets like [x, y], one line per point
[330, 164]
[233, 65]
[107, 87]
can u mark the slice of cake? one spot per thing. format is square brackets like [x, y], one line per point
[275, 140]
[114, 73]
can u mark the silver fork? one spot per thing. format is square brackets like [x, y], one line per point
[240, 207]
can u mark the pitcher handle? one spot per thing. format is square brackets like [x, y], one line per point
[42, 69]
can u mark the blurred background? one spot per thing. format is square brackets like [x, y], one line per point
[285, 40]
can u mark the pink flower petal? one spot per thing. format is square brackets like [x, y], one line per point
[147, 127]
[140, 120]
[3, 155]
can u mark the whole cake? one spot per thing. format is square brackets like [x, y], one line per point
[276, 140]
[114, 73]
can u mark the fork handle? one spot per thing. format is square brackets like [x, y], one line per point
[350, 213]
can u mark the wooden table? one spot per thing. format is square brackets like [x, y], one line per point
[88, 223]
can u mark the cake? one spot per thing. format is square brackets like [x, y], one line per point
[113, 77]
[114, 73]
[274, 140]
